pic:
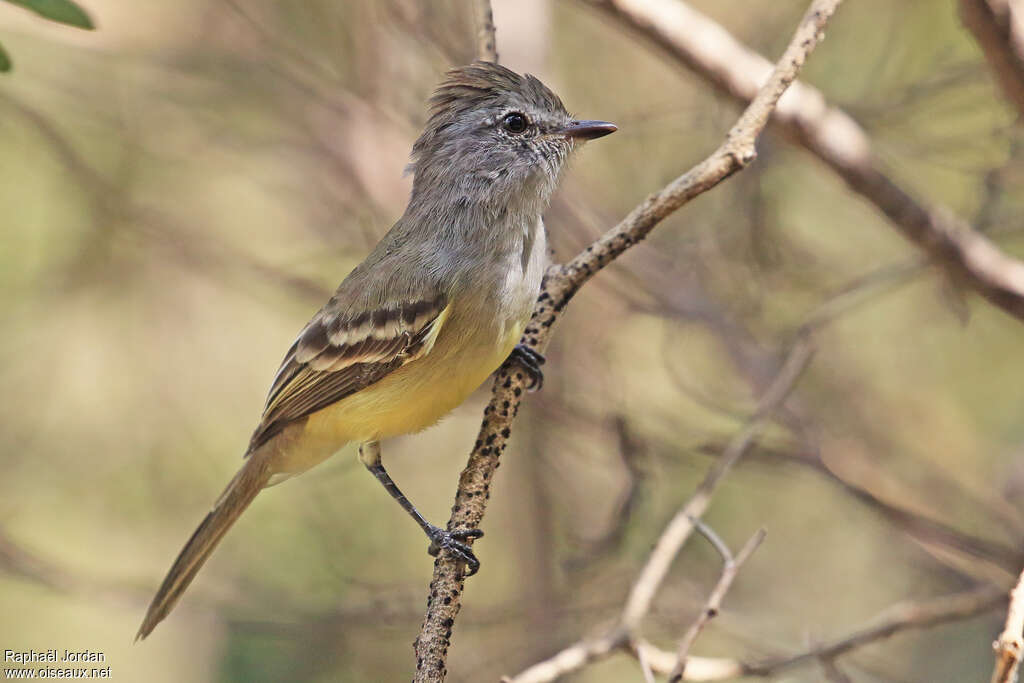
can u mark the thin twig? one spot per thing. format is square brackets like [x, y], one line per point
[697, 668]
[706, 48]
[729, 571]
[560, 284]
[895, 619]
[1010, 643]
[622, 635]
[715, 540]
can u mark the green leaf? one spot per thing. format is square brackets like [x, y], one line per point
[5, 61]
[64, 11]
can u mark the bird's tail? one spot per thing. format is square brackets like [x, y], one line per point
[236, 498]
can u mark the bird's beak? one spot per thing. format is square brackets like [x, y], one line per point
[588, 130]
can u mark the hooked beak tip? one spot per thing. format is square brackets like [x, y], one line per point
[589, 130]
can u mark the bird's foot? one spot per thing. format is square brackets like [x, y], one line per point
[454, 543]
[530, 361]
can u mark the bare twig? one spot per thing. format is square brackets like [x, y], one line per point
[486, 42]
[697, 668]
[561, 283]
[657, 660]
[1010, 644]
[729, 571]
[895, 619]
[622, 636]
[997, 26]
[830, 134]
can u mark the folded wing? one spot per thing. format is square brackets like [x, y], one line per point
[337, 355]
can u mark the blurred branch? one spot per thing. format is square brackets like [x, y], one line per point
[623, 635]
[706, 48]
[902, 616]
[862, 290]
[896, 618]
[561, 283]
[645, 666]
[1010, 643]
[658, 661]
[731, 567]
[924, 529]
[196, 249]
[997, 26]
[928, 530]
[18, 561]
[486, 41]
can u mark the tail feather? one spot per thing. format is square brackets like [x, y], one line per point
[232, 502]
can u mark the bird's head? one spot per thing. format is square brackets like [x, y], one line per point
[496, 135]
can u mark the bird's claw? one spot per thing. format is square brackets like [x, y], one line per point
[454, 542]
[530, 360]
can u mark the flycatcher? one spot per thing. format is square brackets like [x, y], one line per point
[435, 308]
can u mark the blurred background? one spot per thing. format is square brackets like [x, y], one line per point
[182, 188]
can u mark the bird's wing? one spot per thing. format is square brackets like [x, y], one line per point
[337, 355]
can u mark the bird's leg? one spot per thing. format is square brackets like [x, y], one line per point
[440, 539]
[530, 361]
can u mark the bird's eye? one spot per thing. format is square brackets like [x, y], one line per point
[515, 122]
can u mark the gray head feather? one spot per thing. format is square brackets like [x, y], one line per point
[475, 153]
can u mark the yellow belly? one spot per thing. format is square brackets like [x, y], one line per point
[412, 398]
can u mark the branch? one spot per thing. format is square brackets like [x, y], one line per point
[894, 619]
[997, 26]
[900, 617]
[1010, 643]
[731, 567]
[706, 48]
[623, 636]
[927, 529]
[560, 284]
[486, 42]
[659, 661]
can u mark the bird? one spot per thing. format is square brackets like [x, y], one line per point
[436, 307]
